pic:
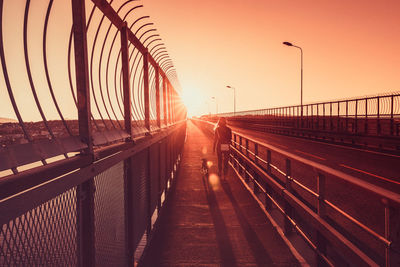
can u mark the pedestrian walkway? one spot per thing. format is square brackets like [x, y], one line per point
[212, 223]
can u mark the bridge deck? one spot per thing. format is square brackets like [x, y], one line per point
[215, 225]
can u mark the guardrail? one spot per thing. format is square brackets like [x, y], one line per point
[372, 121]
[84, 191]
[92, 212]
[345, 220]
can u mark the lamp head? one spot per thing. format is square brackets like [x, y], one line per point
[287, 43]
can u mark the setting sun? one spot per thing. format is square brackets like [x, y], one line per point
[194, 101]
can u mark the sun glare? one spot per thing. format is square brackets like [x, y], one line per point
[194, 102]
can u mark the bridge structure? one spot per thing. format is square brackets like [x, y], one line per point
[109, 175]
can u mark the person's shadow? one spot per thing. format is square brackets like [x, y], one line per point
[257, 248]
[224, 243]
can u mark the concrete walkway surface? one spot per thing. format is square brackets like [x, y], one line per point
[212, 223]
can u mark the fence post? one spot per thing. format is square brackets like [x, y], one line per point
[392, 233]
[330, 116]
[146, 90]
[391, 115]
[323, 111]
[247, 147]
[338, 116]
[125, 79]
[244, 169]
[355, 117]
[256, 153]
[255, 184]
[85, 191]
[321, 242]
[378, 122]
[169, 102]
[158, 110]
[165, 100]
[269, 161]
[366, 116]
[312, 116]
[347, 115]
[288, 209]
[128, 169]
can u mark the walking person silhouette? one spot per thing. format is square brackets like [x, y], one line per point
[222, 141]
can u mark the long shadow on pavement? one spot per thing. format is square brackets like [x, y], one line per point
[257, 247]
[224, 243]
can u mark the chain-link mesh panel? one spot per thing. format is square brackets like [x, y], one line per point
[44, 236]
[110, 217]
[154, 175]
[163, 165]
[140, 194]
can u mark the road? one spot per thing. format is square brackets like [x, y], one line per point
[381, 169]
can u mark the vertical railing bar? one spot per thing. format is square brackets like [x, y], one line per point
[321, 242]
[347, 115]
[85, 191]
[330, 115]
[46, 69]
[165, 100]
[338, 116]
[146, 91]
[378, 124]
[366, 116]
[391, 115]
[125, 80]
[323, 110]
[287, 207]
[128, 168]
[158, 110]
[356, 117]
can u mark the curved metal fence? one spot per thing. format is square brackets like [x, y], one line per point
[91, 131]
[56, 75]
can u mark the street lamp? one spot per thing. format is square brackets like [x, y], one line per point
[216, 104]
[301, 94]
[234, 99]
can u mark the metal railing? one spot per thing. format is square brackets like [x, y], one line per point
[372, 115]
[345, 220]
[82, 184]
[94, 78]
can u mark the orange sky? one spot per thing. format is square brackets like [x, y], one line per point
[351, 48]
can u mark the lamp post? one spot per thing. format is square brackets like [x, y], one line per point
[216, 104]
[234, 99]
[301, 86]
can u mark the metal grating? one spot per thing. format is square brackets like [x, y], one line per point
[154, 175]
[140, 194]
[163, 165]
[44, 236]
[110, 217]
